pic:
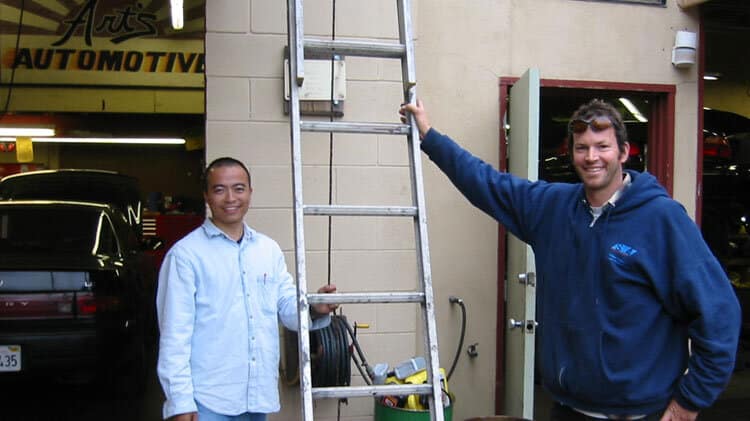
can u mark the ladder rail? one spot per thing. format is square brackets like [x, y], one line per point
[296, 67]
[296, 32]
[420, 223]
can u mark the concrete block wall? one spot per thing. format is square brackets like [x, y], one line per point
[245, 41]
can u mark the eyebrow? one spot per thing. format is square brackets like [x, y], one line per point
[213, 186]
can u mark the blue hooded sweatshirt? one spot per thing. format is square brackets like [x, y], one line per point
[617, 301]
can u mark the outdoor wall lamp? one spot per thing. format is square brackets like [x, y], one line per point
[684, 50]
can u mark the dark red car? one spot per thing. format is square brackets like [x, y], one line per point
[76, 293]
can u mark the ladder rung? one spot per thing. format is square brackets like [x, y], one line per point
[348, 127]
[354, 48]
[364, 391]
[340, 210]
[366, 297]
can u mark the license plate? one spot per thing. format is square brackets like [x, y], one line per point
[10, 358]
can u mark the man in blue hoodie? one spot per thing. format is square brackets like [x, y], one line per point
[637, 319]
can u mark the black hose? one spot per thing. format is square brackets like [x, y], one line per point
[460, 302]
[362, 372]
[344, 367]
[370, 375]
[332, 366]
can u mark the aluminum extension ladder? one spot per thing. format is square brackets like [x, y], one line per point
[404, 51]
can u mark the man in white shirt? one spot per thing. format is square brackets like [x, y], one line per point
[222, 290]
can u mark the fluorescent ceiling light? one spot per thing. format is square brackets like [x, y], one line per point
[178, 21]
[633, 110]
[26, 131]
[712, 76]
[105, 140]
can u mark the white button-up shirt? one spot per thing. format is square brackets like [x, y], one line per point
[219, 302]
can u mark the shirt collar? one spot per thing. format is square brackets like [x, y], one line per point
[212, 230]
[596, 211]
[625, 184]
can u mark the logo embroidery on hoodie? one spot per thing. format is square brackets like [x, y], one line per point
[618, 252]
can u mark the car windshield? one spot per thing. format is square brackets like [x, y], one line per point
[53, 229]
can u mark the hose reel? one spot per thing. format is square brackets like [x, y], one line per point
[330, 355]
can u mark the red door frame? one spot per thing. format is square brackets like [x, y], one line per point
[660, 158]
[699, 140]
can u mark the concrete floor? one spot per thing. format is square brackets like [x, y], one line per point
[55, 402]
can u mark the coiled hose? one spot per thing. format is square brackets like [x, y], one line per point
[330, 360]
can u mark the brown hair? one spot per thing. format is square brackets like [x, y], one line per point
[600, 108]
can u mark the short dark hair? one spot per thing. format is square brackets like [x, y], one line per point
[224, 162]
[600, 108]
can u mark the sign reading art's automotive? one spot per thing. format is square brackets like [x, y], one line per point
[100, 42]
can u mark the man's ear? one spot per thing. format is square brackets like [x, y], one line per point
[625, 152]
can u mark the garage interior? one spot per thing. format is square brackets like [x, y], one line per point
[170, 174]
[117, 72]
[726, 175]
[125, 75]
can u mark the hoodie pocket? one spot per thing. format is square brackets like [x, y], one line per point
[574, 365]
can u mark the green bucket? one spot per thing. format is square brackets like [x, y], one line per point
[387, 413]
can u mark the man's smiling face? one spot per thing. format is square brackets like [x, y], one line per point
[228, 196]
[598, 161]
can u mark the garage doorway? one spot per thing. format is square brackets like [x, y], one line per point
[105, 75]
[723, 201]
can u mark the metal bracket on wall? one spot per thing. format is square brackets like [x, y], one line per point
[324, 89]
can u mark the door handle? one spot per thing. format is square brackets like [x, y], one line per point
[515, 324]
[529, 326]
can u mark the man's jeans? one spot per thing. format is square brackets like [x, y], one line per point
[205, 414]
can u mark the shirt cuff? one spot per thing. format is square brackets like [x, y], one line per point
[430, 134]
[179, 405]
[685, 403]
[320, 322]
